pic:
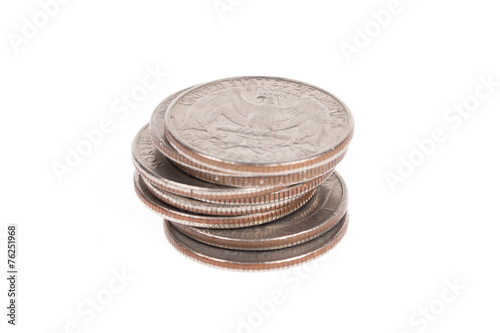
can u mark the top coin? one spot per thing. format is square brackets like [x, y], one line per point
[259, 124]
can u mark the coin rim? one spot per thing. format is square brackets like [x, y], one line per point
[221, 194]
[197, 256]
[207, 172]
[210, 221]
[209, 208]
[260, 167]
[259, 244]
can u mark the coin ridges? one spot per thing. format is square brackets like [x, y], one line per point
[209, 208]
[255, 260]
[316, 217]
[206, 221]
[158, 170]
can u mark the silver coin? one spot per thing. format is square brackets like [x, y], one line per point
[206, 172]
[316, 217]
[255, 260]
[157, 170]
[206, 221]
[315, 176]
[258, 124]
[218, 209]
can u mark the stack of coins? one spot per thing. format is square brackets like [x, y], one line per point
[242, 171]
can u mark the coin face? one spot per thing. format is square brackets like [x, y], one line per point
[158, 170]
[255, 260]
[206, 221]
[202, 170]
[316, 217]
[258, 124]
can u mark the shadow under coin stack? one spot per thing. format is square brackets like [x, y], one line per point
[242, 171]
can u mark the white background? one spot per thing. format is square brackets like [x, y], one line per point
[440, 225]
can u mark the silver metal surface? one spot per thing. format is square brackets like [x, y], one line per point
[219, 209]
[255, 260]
[258, 124]
[316, 217]
[242, 171]
[209, 221]
[158, 170]
[237, 178]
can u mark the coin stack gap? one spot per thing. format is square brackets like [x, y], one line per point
[242, 171]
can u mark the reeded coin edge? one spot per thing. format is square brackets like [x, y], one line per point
[287, 179]
[206, 221]
[225, 195]
[268, 244]
[194, 191]
[208, 208]
[259, 244]
[234, 266]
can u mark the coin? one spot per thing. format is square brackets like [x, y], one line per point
[219, 209]
[242, 171]
[310, 175]
[258, 125]
[157, 170]
[230, 178]
[316, 217]
[180, 216]
[255, 260]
